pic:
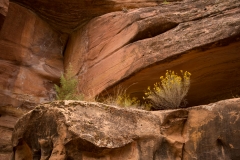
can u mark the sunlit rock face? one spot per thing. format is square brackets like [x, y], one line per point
[82, 130]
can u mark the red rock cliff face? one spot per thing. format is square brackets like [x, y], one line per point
[30, 63]
[137, 46]
[31, 58]
[69, 15]
[131, 47]
[113, 42]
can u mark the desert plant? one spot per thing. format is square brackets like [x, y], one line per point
[119, 97]
[125, 100]
[165, 2]
[68, 89]
[170, 92]
[124, 9]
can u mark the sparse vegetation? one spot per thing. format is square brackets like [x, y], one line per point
[68, 89]
[165, 2]
[124, 9]
[120, 98]
[170, 93]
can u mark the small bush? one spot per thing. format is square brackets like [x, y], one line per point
[165, 2]
[119, 97]
[170, 93]
[125, 100]
[68, 87]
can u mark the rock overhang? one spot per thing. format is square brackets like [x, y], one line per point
[192, 44]
[214, 72]
[150, 38]
[67, 16]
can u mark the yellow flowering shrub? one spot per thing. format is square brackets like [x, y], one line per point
[170, 92]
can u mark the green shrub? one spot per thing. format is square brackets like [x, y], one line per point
[68, 87]
[170, 93]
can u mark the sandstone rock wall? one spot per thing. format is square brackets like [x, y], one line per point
[130, 47]
[31, 58]
[81, 130]
[114, 42]
[68, 15]
[8, 118]
[3, 11]
[138, 46]
[30, 63]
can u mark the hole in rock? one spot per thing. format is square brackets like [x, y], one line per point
[37, 155]
[219, 142]
[154, 29]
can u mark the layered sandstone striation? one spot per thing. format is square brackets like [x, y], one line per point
[130, 47]
[82, 130]
[116, 42]
[31, 62]
[138, 46]
[31, 58]
[68, 15]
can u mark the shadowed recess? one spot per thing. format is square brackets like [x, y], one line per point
[215, 70]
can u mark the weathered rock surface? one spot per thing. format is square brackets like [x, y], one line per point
[67, 15]
[3, 11]
[30, 63]
[132, 46]
[137, 47]
[31, 58]
[8, 118]
[81, 130]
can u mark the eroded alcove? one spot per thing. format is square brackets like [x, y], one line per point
[215, 70]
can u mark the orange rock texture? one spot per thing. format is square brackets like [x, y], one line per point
[31, 58]
[67, 15]
[90, 131]
[138, 46]
[132, 45]
[114, 42]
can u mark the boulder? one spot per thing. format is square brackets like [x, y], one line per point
[134, 49]
[83, 130]
[30, 59]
